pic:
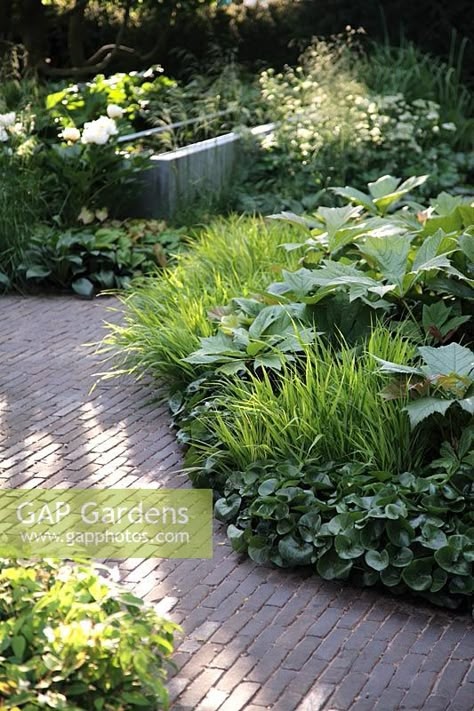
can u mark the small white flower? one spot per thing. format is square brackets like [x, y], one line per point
[114, 111]
[3, 135]
[49, 634]
[70, 133]
[7, 119]
[449, 126]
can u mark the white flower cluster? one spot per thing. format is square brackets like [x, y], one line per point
[98, 131]
[317, 112]
[7, 121]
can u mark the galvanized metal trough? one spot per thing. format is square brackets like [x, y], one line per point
[180, 177]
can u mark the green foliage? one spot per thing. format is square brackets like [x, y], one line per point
[412, 262]
[445, 379]
[406, 532]
[165, 318]
[254, 335]
[72, 639]
[313, 465]
[340, 123]
[328, 406]
[96, 257]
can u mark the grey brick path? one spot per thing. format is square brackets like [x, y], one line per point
[254, 638]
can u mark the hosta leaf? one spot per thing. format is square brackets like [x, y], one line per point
[466, 242]
[37, 272]
[83, 287]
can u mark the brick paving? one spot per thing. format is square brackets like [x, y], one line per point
[255, 638]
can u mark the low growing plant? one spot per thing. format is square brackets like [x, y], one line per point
[70, 638]
[408, 532]
[94, 257]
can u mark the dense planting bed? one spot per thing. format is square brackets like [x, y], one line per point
[324, 389]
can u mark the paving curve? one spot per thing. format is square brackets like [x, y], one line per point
[255, 638]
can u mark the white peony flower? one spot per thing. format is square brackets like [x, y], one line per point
[114, 111]
[108, 125]
[3, 135]
[7, 119]
[70, 133]
[99, 131]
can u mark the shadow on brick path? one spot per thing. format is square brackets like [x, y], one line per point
[255, 638]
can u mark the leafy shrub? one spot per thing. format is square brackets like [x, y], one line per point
[21, 202]
[96, 257]
[445, 379]
[72, 639]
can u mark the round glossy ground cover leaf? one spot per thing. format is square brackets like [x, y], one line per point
[236, 537]
[417, 575]
[391, 576]
[267, 487]
[452, 560]
[295, 552]
[228, 508]
[399, 557]
[378, 560]
[400, 533]
[331, 567]
[259, 550]
[348, 546]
